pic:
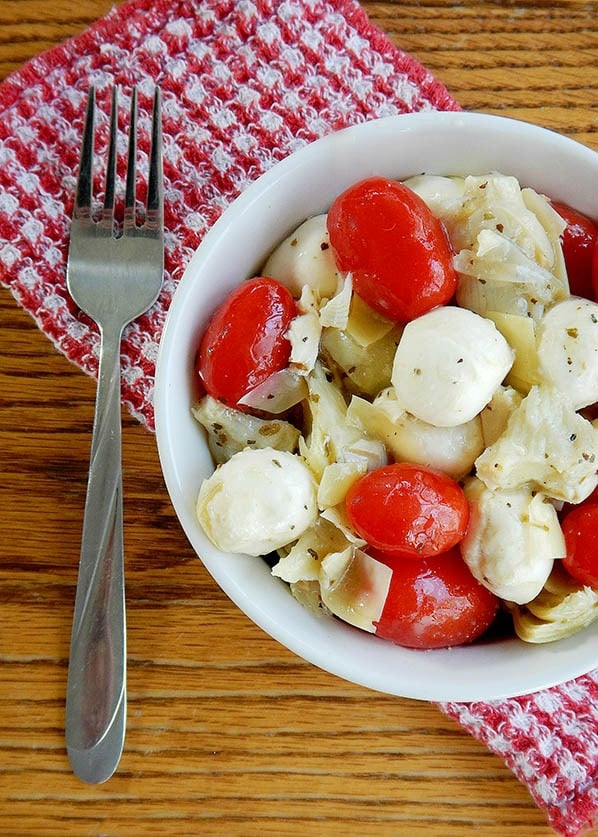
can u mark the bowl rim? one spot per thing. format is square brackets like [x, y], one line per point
[418, 673]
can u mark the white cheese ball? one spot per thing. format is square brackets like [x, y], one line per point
[448, 364]
[305, 258]
[568, 350]
[258, 501]
[443, 195]
[450, 449]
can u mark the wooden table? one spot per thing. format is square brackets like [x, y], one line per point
[229, 733]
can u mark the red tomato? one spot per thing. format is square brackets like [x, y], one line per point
[595, 270]
[404, 509]
[397, 251]
[245, 341]
[578, 248]
[434, 602]
[580, 528]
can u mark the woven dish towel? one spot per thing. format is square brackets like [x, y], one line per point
[244, 84]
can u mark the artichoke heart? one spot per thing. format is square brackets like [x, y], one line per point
[561, 609]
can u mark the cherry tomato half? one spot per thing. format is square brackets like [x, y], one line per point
[404, 509]
[434, 602]
[578, 241]
[245, 341]
[397, 251]
[580, 528]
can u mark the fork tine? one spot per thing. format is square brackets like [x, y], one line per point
[154, 204]
[108, 216]
[130, 191]
[82, 207]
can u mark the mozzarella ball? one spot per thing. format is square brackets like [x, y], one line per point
[257, 502]
[305, 258]
[448, 364]
[568, 350]
[450, 449]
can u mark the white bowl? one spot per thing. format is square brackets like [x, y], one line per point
[300, 186]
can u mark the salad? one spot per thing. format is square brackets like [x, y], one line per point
[401, 409]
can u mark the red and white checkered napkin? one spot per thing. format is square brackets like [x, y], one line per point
[244, 84]
[550, 741]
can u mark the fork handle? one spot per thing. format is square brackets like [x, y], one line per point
[96, 686]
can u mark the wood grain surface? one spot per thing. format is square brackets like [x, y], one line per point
[228, 732]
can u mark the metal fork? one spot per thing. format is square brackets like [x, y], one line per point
[114, 274]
